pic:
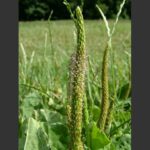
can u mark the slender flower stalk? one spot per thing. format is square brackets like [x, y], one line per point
[76, 84]
[109, 117]
[105, 91]
[107, 105]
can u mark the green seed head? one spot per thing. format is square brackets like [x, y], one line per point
[105, 91]
[77, 77]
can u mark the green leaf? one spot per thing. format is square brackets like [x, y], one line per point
[98, 138]
[50, 116]
[110, 146]
[56, 133]
[42, 139]
[28, 104]
[27, 111]
[124, 92]
[54, 140]
[32, 99]
[61, 130]
[96, 113]
[35, 135]
[22, 133]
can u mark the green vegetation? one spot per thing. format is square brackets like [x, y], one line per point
[45, 49]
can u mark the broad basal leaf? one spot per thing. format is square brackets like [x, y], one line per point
[36, 139]
[97, 138]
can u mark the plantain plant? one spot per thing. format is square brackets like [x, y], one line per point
[77, 103]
